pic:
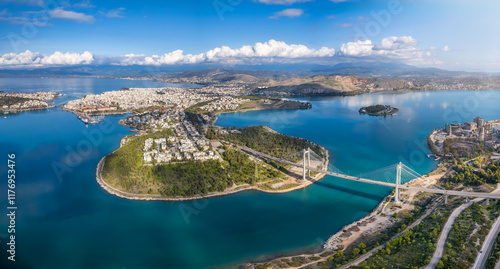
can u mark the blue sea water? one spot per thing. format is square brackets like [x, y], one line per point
[65, 220]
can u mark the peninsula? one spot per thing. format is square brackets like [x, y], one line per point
[179, 163]
[178, 153]
[12, 102]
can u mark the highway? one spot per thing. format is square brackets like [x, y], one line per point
[488, 243]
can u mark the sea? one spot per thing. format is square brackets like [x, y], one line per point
[64, 219]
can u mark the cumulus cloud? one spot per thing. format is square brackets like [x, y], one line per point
[445, 49]
[60, 13]
[290, 13]
[359, 48]
[398, 48]
[401, 49]
[36, 59]
[114, 13]
[260, 52]
[282, 2]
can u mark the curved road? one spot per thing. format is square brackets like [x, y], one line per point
[444, 234]
[488, 243]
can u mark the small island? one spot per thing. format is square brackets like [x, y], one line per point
[13, 102]
[378, 110]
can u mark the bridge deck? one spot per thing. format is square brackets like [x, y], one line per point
[370, 181]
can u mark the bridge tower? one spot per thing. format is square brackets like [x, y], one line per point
[309, 162]
[398, 182]
[304, 165]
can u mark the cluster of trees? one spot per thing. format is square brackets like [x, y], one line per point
[275, 144]
[122, 168]
[413, 249]
[451, 146]
[12, 100]
[460, 250]
[191, 178]
[199, 178]
[373, 109]
[467, 175]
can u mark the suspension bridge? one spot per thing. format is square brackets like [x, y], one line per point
[397, 176]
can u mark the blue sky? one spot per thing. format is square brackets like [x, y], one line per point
[457, 35]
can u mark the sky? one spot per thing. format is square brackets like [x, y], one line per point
[453, 35]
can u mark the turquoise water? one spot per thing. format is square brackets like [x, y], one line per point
[67, 221]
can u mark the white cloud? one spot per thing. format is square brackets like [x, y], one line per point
[359, 48]
[402, 48]
[445, 49]
[260, 52]
[25, 2]
[282, 2]
[340, 1]
[114, 13]
[36, 59]
[84, 4]
[344, 25]
[60, 13]
[290, 13]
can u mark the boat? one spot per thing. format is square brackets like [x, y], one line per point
[90, 119]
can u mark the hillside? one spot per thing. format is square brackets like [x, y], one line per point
[332, 85]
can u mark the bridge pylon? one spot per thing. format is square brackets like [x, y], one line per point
[309, 162]
[306, 165]
[398, 182]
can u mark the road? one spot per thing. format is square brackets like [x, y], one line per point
[444, 234]
[488, 243]
[369, 253]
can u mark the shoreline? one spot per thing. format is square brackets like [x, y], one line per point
[376, 212]
[7, 112]
[158, 197]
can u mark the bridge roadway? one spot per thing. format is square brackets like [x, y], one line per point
[370, 181]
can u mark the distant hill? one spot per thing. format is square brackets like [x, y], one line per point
[333, 85]
[384, 70]
[241, 72]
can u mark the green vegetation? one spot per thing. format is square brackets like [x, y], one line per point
[471, 177]
[414, 248]
[12, 100]
[123, 169]
[378, 110]
[465, 147]
[262, 139]
[495, 255]
[465, 239]
[431, 145]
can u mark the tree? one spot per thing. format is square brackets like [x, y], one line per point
[440, 265]
[355, 251]
[362, 246]
[340, 254]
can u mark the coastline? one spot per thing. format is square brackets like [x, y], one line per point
[158, 197]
